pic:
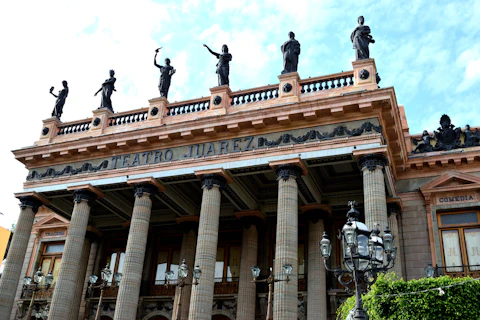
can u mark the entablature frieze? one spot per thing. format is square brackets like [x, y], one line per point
[354, 133]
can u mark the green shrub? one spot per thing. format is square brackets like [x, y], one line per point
[386, 299]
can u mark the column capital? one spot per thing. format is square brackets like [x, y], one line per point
[315, 212]
[85, 192]
[31, 199]
[285, 171]
[371, 161]
[210, 180]
[142, 188]
[394, 206]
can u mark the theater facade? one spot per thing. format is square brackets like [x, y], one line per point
[230, 181]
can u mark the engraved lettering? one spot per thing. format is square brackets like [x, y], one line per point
[124, 160]
[136, 160]
[249, 142]
[168, 155]
[235, 147]
[197, 150]
[114, 161]
[157, 157]
[189, 155]
[145, 156]
[223, 147]
[211, 149]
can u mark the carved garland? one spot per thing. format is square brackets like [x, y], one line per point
[316, 135]
[51, 172]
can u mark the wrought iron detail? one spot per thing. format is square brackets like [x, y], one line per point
[235, 198]
[96, 122]
[364, 74]
[367, 127]
[217, 100]
[45, 131]
[141, 188]
[154, 111]
[285, 171]
[51, 172]
[31, 202]
[80, 195]
[209, 180]
[287, 87]
[371, 161]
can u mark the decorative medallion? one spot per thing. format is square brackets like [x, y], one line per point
[96, 122]
[45, 131]
[217, 100]
[287, 87]
[364, 74]
[154, 111]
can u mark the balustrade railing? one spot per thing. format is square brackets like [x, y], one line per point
[40, 294]
[188, 107]
[327, 83]
[74, 128]
[122, 119]
[254, 95]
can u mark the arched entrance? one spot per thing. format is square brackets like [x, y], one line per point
[159, 318]
[105, 318]
[220, 317]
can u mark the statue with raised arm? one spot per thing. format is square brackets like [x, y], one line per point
[108, 86]
[361, 38]
[223, 65]
[166, 73]
[62, 96]
[290, 51]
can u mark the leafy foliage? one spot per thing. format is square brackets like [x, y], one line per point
[393, 299]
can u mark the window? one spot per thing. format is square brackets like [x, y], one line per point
[167, 259]
[228, 271]
[51, 259]
[460, 238]
[115, 257]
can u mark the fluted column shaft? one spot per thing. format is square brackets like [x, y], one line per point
[63, 299]
[317, 287]
[187, 252]
[393, 225]
[246, 288]
[375, 201]
[202, 294]
[285, 297]
[16, 255]
[127, 299]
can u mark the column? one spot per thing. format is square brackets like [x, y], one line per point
[201, 300]
[393, 217]
[316, 285]
[285, 296]
[90, 267]
[127, 299]
[375, 201]
[63, 299]
[189, 226]
[246, 288]
[13, 265]
[82, 270]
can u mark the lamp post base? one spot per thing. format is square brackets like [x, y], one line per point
[360, 314]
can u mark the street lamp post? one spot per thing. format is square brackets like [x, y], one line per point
[182, 275]
[429, 271]
[287, 270]
[37, 278]
[106, 273]
[364, 253]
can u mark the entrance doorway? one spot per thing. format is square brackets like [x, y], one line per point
[220, 317]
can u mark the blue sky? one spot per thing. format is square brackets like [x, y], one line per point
[428, 50]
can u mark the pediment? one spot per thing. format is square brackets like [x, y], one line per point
[52, 220]
[451, 181]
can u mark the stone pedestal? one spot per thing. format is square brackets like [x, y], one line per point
[29, 205]
[285, 297]
[289, 86]
[201, 300]
[375, 201]
[220, 97]
[365, 74]
[157, 110]
[128, 293]
[100, 121]
[63, 299]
